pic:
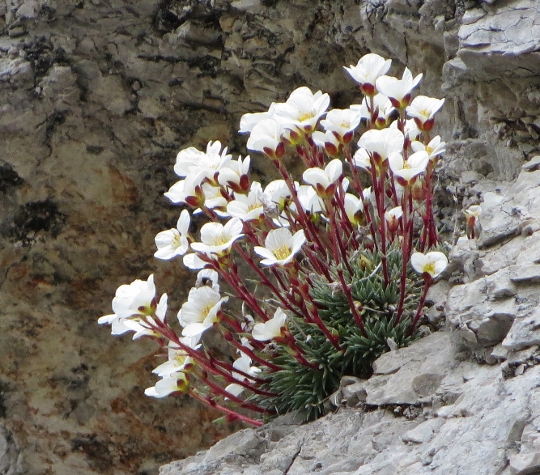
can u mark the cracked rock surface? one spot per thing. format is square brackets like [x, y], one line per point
[437, 412]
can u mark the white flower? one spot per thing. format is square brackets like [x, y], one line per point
[473, 211]
[191, 160]
[392, 218]
[213, 199]
[342, 122]
[471, 215]
[379, 145]
[328, 141]
[432, 263]
[249, 121]
[172, 384]
[398, 90]
[324, 181]
[178, 359]
[422, 109]
[354, 208]
[366, 194]
[362, 159]
[208, 277]
[242, 364]
[270, 329]
[194, 262]
[200, 312]
[280, 247]
[218, 239]
[434, 148]
[142, 327]
[277, 197]
[188, 190]
[309, 199]
[235, 389]
[187, 159]
[137, 299]
[235, 174]
[278, 192]
[382, 108]
[250, 207]
[174, 242]
[406, 171]
[266, 137]
[176, 192]
[302, 110]
[367, 70]
[412, 132]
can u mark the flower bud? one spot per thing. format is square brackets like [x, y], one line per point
[418, 190]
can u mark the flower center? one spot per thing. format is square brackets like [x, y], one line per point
[282, 253]
[430, 268]
[219, 240]
[306, 116]
[206, 310]
[176, 242]
[180, 359]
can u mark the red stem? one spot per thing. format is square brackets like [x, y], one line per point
[226, 410]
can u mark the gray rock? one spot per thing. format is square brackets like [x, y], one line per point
[494, 419]
[524, 464]
[243, 444]
[506, 32]
[499, 352]
[423, 432]
[475, 308]
[533, 164]
[525, 332]
[528, 273]
[405, 376]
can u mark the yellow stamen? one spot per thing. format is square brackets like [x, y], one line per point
[282, 253]
[218, 241]
[306, 116]
[429, 268]
[206, 310]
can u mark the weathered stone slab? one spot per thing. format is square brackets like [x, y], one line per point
[491, 418]
[525, 332]
[406, 376]
[508, 33]
[483, 321]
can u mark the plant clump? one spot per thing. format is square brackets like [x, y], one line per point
[336, 263]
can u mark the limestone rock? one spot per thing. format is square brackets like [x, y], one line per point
[507, 32]
[395, 439]
[405, 376]
[524, 333]
[476, 307]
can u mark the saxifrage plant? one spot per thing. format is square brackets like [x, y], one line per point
[336, 263]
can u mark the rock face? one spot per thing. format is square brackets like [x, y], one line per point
[97, 98]
[427, 409]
